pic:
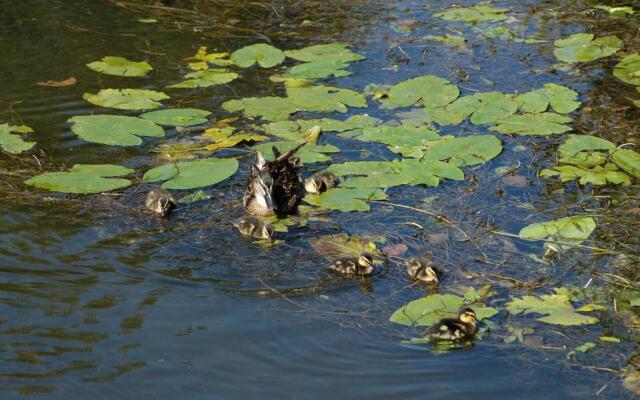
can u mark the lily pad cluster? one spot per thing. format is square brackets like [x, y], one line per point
[560, 234]
[596, 161]
[11, 140]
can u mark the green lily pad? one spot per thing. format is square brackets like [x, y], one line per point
[569, 230]
[403, 135]
[265, 55]
[490, 107]
[319, 70]
[474, 14]
[269, 108]
[341, 245]
[428, 310]
[628, 160]
[120, 66]
[296, 130]
[428, 90]
[192, 174]
[561, 98]
[579, 143]
[309, 154]
[325, 98]
[116, 130]
[628, 70]
[178, 116]
[346, 199]
[464, 151]
[540, 124]
[598, 175]
[13, 143]
[126, 99]
[557, 309]
[205, 78]
[582, 47]
[83, 179]
[451, 114]
[334, 52]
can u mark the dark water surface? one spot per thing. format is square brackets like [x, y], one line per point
[99, 300]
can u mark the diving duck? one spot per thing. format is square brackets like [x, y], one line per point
[254, 228]
[320, 182]
[422, 269]
[361, 265]
[461, 328]
[161, 202]
[274, 187]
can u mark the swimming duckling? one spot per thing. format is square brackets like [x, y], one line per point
[320, 182]
[455, 329]
[422, 269]
[253, 227]
[361, 265]
[160, 202]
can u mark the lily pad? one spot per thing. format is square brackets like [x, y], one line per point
[490, 107]
[569, 230]
[203, 59]
[398, 136]
[13, 142]
[310, 153]
[205, 78]
[120, 66]
[325, 98]
[628, 160]
[178, 116]
[628, 70]
[342, 245]
[265, 55]
[464, 151]
[582, 47]
[428, 90]
[269, 108]
[335, 52]
[83, 179]
[126, 99]
[579, 143]
[561, 98]
[225, 137]
[346, 199]
[116, 130]
[428, 310]
[298, 130]
[474, 14]
[192, 174]
[539, 124]
[598, 175]
[557, 309]
[319, 70]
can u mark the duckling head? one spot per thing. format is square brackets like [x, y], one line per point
[468, 316]
[422, 270]
[365, 261]
[264, 232]
[312, 185]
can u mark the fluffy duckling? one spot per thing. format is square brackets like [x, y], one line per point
[320, 182]
[361, 265]
[421, 269]
[461, 328]
[253, 227]
[161, 202]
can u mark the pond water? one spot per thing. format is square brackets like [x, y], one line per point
[99, 299]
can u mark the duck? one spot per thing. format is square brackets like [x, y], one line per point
[422, 269]
[253, 227]
[160, 201]
[320, 182]
[462, 328]
[274, 187]
[361, 265]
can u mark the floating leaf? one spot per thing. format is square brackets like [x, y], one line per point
[463, 151]
[13, 143]
[203, 59]
[557, 309]
[334, 52]
[341, 245]
[561, 98]
[490, 107]
[296, 130]
[598, 175]
[269, 108]
[569, 230]
[117, 130]
[224, 138]
[581, 47]
[578, 143]
[325, 98]
[346, 199]
[83, 179]
[428, 310]
[319, 70]
[628, 160]
[474, 14]
[205, 78]
[628, 69]
[617, 11]
[540, 124]
[398, 136]
[428, 90]
[178, 116]
[310, 153]
[120, 66]
[194, 197]
[265, 55]
[126, 99]
[192, 174]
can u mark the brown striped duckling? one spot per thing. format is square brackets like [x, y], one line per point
[462, 328]
[161, 202]
[320, 182]
[361, 265]
[422, 269]
[254, 228]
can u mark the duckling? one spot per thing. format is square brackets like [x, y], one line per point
[461, 328]
[274, 187]
[160, 202]
[361, 265]
[320, 182]
[421, 269]
[253, 227]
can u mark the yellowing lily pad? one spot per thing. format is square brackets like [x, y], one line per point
[13, 142]
[120, 66]
[83, 179]
[126, 99]
[556, 308]
[265, 55]
[117, 130]
[192, 174]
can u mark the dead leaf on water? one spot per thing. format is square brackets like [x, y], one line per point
[67, 82]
